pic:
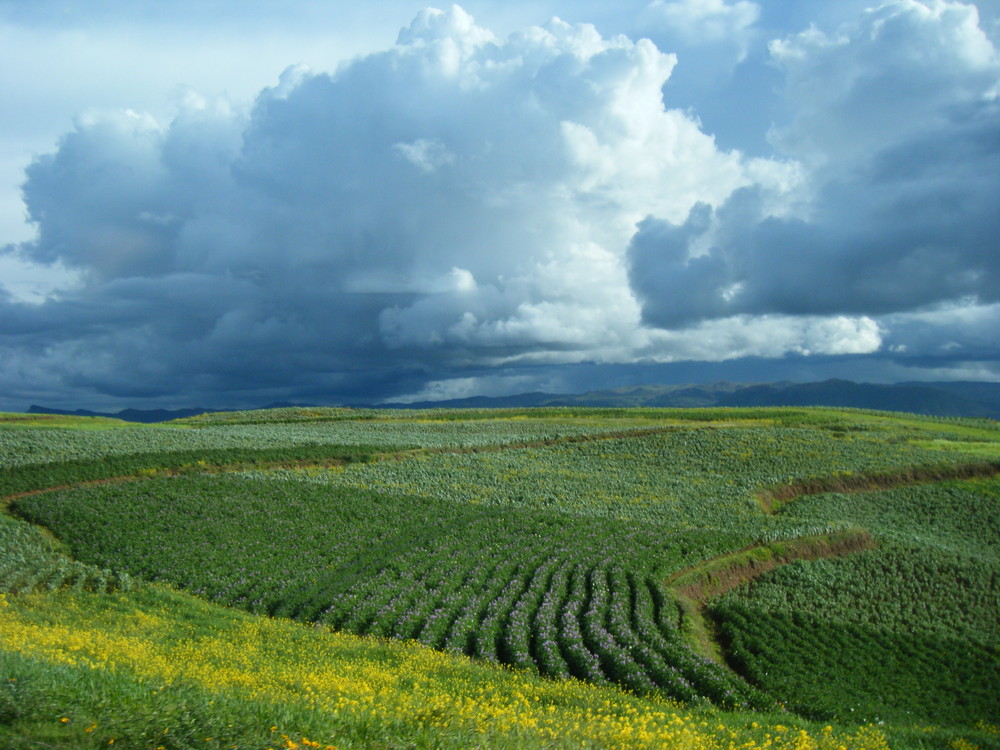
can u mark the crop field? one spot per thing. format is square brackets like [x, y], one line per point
[807, 578]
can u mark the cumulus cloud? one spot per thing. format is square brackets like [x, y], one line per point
[460, 202]
[898, 129]
[706, 20]
[455, 199]
[711, 38]
[903, 70]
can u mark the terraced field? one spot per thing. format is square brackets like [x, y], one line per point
[548, 541]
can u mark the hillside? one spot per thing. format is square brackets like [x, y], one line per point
[944, 399]
[647, 577]
[978, 400]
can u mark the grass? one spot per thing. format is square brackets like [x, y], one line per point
[905, 632]
[160, 669]
[692, 589]
[10, 420]
[986, 449]
[563, 542]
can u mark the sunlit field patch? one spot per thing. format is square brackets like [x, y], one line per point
[272, 682]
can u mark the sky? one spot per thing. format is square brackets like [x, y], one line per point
[230, 204]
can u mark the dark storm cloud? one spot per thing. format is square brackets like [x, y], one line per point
[899, 120]
[915, 226]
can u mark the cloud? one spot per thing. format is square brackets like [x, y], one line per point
[898, 127]
[711, 39]
[903, 69]
[454, 200]
[705, 20]
[962, 331]
[772, 336]
[426, 155]
[460, 202]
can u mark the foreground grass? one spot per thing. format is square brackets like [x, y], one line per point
[158, 669]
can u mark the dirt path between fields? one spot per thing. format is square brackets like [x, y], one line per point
[772, 499]
[694, 587]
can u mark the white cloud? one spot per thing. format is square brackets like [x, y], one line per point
[710, 36]
[426, 155]
[896, 129]
[902, 68]
[461, 201]
[707, 20]
[481, 385]
[766, 336]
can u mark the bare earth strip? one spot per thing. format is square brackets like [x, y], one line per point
[772, 499]
[694, 587]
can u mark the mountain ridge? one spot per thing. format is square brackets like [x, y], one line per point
[940, 399]
[943, 399]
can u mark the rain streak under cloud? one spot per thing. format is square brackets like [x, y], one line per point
[464, 212]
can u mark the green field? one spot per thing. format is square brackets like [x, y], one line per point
[809, 578]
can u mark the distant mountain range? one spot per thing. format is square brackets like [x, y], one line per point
[940, 399]
[943, 399]
[147, 416]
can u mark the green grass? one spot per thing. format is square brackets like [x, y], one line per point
[158, 669]
[543, 540]
[13, 421]
[906, 632]
[985, 449]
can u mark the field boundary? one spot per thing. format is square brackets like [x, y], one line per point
[775, 497]
[692, 588]
[172, 471]
[265, 463]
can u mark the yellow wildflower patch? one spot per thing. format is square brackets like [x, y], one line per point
[279, 662]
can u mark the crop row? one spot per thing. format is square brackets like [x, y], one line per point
[827, 669]
[670, 478]
[910, 626]
[20, 447]
[560, 617]
[565, 596]
[28, 562]
[904, 589]
[547, 558]
[959, 516]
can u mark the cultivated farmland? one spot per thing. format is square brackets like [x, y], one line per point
[758, 577]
